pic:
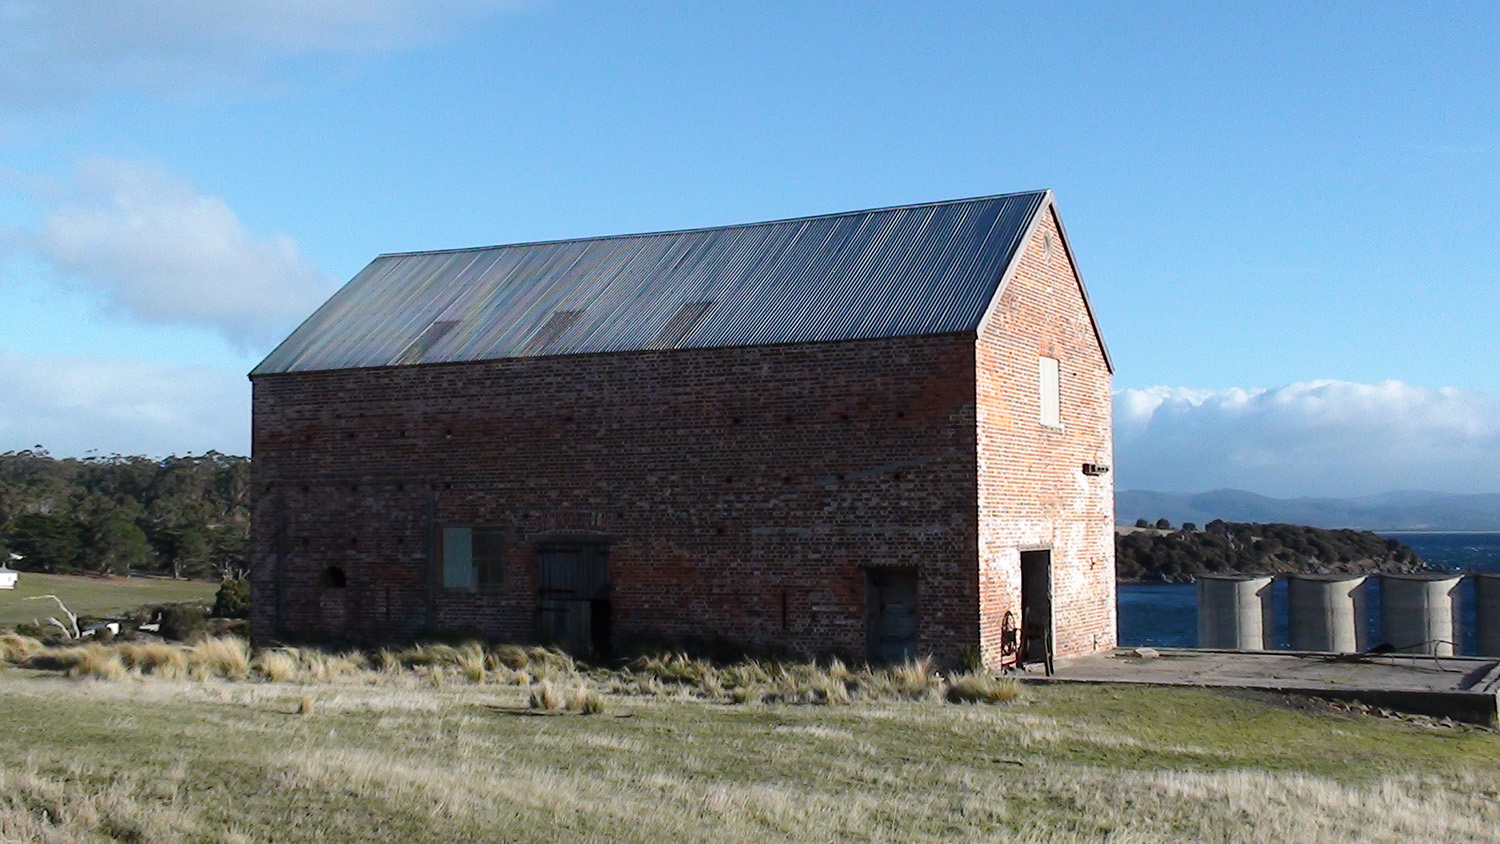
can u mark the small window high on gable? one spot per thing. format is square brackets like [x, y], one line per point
[1049, 376]
[548, 338]
[417, 350]
[684, 322]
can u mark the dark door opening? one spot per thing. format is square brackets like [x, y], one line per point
[1036, 608]
[333, 603]
[573, 597]
[891, 614]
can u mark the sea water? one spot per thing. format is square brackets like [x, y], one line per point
[1166, 614]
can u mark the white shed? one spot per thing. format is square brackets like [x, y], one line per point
[9, 577]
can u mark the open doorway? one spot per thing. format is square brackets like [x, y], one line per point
[1036, 608]
[333, 603]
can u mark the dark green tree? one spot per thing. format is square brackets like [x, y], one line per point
[46, 542]
[90, 514]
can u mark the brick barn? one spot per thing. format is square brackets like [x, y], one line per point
[872, 434]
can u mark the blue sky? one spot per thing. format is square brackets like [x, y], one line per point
[1286, 214]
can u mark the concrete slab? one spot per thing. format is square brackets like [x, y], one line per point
[1462, 688]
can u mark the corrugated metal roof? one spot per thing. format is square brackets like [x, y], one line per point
[916, 269]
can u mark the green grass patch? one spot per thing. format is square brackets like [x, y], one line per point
[408, 760]
[93, 596]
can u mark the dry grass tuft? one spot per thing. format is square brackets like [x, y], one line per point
[547, 672]
[545, 696]
[470, 659]
[99, 662]
[307, 665]
[224, 656]
[749, 694]
[278, 666]
[982, 687]
[512, 657]
[837, 670]
[755, 681]
[829, 690]
[550, 664]
[507, 664]
[388, 662]
[586, 701]
[915, 678]
[16, 649]
[318, 667]
[424, 656]
[169, 662]
[593, 704]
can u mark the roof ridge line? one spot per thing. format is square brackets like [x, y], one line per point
[991, 197]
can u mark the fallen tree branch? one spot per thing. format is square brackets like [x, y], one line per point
[71, 628]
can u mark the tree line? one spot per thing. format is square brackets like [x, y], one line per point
[178, 516]
[1160, 553]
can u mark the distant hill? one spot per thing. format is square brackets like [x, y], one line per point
[1390, 511]
[1180, 556]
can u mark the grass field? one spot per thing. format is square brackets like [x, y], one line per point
[412, 759]
[94, 596]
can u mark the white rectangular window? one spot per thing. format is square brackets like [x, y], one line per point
[1048, 378]
[472, 558]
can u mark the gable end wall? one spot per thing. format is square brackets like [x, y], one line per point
[1032, 492]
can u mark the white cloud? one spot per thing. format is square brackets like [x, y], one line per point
[72, 405]
[160, 252]
[1308, 438]
[56, 51]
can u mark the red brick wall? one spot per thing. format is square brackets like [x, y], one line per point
[745, 489]
[1032, 491]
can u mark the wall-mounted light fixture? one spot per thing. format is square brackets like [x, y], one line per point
[1093, 469]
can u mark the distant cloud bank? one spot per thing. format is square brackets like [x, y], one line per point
[158, 251]
[75, 406]
[57, 52]
[1308, 438]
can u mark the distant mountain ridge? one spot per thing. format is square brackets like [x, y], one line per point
[1404, 510]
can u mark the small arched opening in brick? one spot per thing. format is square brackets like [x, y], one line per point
[334, 578]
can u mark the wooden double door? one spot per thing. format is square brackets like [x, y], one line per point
[573, 597]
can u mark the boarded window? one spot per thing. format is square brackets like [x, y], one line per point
[548, 339]
[684, 322]
[473, 558]
[487, 558]
[1048, 377]
[458, 558]
[417, 351]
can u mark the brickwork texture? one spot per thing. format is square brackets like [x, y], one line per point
[743, 493]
